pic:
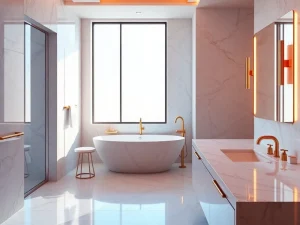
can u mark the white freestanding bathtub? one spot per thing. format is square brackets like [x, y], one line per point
[138, 153]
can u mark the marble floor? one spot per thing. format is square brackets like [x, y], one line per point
[114, 199]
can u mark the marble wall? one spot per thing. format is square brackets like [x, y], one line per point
[53, 15]
[194, 37]
[179, 86]
[11, 67]
[11, 60]
[11, 172]
[64, 27]
[266, 12]
[223, 107]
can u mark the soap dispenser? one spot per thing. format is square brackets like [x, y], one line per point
[270, 149]
[284, 155]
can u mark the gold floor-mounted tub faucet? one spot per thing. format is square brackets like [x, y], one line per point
[141, 127]
[182, 132]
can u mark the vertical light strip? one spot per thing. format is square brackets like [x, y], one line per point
[254, 74]
[254, 185]
[275, 190]
[295, 205]
[295, 62]
[275, 73]
[295, 195]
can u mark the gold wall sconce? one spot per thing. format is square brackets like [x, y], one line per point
[248, 73]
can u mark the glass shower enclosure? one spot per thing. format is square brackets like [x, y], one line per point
[35, 108]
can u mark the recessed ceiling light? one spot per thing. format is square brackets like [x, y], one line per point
[138, 12]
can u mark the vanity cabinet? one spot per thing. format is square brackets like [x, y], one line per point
[216, 207]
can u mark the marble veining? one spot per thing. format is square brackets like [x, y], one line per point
[266, 181]
[223, 107]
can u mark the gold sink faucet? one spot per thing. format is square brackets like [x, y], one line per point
[267, 137]
[141, 127]
[182, 132]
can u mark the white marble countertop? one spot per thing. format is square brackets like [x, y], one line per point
[267, 181]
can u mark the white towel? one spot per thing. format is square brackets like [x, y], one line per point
[67, 118]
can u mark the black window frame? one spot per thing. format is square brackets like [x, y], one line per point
[93, 97]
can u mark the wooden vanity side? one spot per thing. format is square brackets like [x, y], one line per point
[268, 213]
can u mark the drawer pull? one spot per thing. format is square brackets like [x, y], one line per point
[198, 156]
[223, 195]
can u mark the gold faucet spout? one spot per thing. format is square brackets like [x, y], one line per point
[269, 137]
[182, 131]
[141, 127]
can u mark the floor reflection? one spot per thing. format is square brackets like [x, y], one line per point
[115, 199]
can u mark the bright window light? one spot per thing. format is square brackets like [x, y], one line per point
[129, 72]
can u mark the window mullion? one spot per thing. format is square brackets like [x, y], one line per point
[120, 73]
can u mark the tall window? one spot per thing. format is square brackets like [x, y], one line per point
[129, 72]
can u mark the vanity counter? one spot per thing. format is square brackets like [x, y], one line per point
[271, 181]
[258, 192]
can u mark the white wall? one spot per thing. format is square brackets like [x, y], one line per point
[223, 107]
[179, 85]
[266, 12]
[53, 15]
[11, 64]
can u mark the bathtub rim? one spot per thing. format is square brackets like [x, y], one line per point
[177, 138]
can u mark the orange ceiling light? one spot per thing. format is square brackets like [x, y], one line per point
[135, 2]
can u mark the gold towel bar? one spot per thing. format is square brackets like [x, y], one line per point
[16, 134]
[67, 107]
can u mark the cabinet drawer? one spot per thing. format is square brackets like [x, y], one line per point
[210, 195]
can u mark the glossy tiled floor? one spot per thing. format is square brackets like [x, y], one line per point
[115, 199]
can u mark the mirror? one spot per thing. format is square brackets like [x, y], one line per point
[275, 70]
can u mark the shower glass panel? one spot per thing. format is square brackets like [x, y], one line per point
[35, 108]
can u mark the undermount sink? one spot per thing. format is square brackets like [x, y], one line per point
[243, 155]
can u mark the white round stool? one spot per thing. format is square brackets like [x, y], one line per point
[82, 151]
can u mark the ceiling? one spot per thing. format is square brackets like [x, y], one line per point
[130, 12]
[226, 3]
[127, 9]
[134, 2]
